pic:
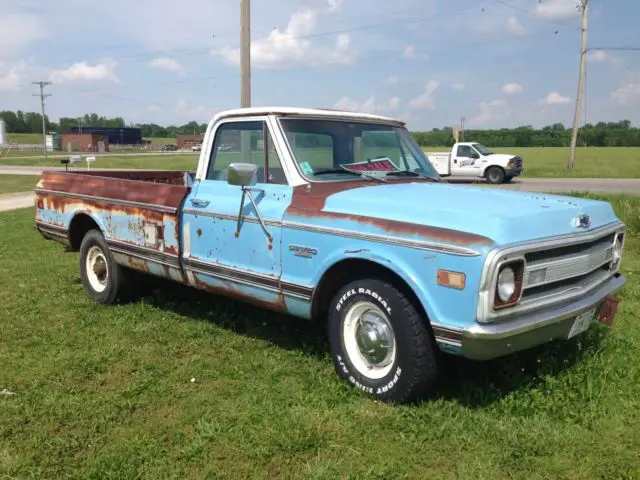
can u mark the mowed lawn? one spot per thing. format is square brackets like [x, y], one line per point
[17, 183]
[592, 162]
[183, 384]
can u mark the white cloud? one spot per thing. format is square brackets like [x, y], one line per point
[334, 5]
[514, 27]
[459, 87]
[82, 71]
[557, 9]
[512, 88]
[600, 56]
[18, 31]
[197, 112]
[166, 63]
[554, 98]
[14, 78]
[628, 92]
[154, 108]
[370, 105]
[490, 110]
[289, 47]
[425, 101]
[409, 53]
[392, 81]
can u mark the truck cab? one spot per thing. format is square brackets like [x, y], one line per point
[472, 159]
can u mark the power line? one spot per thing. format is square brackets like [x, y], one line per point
[42, 96]
[536, 15]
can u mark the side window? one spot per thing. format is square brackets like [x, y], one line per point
[464, 151]
[245, 142]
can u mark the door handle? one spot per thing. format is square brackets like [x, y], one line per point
[199, 202]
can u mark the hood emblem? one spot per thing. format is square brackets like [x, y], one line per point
[582, 221]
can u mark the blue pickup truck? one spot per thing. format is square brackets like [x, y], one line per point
[341, 218]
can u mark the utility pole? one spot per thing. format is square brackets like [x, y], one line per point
[42, 96]
[584, 6]
[245, 53]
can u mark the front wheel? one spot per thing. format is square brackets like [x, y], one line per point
[495, 175]
[102, 278]
[380, 343]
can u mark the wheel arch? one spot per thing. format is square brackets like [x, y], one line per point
[347, 269]
[80, 224]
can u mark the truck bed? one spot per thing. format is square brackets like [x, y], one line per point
[137, 211]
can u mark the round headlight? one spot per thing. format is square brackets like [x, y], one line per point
[506, 284]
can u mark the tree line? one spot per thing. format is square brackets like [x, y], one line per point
[601, 134]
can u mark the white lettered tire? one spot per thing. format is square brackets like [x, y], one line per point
[380, 342]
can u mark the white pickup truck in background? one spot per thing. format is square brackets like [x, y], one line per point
[471, 159]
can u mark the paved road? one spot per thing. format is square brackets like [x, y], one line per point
[630, 186]
[593, 185]
[11, 201]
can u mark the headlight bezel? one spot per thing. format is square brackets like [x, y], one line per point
[517, 265]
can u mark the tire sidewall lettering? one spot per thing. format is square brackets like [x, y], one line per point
[360, 382]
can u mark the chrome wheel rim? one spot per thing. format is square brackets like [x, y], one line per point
[369, 340]
[97, 269]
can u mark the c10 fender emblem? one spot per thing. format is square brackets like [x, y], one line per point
[299, 251]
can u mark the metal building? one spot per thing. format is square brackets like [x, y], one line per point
[115, 135]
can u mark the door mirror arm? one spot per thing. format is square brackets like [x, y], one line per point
[243, 174]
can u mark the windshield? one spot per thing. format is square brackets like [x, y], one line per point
[482, 149]
[329, 149]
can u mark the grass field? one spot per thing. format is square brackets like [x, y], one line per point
[17, 183]
[538, 162]
[106, 392]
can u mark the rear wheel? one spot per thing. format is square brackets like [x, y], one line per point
[102, 278]
[495, 175]
[380, 343]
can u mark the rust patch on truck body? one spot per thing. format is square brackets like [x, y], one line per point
[310, 202]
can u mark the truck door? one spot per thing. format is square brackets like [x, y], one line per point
[218, 253]
[466, 162]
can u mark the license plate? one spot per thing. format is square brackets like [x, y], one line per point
[582, 322]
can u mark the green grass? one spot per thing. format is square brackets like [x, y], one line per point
[17, 183]
[28, 138]
[173, 161]
[105, 392]
[619, 162]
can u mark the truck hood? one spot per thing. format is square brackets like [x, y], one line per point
[498, 159]
[504, 216]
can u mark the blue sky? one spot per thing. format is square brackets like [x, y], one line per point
[498, 63]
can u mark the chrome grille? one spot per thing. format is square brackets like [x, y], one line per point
[573, 267]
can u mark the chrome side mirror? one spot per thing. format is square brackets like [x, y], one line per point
[242, 174]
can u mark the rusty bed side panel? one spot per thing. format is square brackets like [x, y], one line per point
[95, 184]
[144, 237]
[171, 177]
[310, 204]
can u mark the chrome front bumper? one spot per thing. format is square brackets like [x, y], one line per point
[486, 341]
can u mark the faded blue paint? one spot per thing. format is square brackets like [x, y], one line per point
[213, 239]
[502, 215]
[416, 267]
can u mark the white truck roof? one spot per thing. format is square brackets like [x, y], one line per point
[315, 112]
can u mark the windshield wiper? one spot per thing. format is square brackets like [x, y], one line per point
[409, 173]
[348, 172]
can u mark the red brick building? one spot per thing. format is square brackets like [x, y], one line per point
[187, 141]
[84, 142]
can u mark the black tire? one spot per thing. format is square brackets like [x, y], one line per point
[494, 175]
[106, 271]
[507, 179]
[413, 369]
